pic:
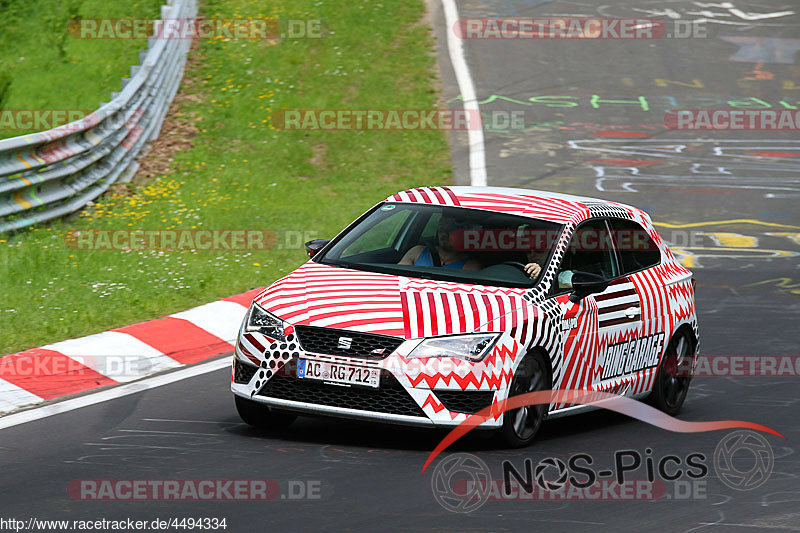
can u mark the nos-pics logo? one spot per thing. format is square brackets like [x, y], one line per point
[462, 482]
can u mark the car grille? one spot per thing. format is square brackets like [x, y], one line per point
[326, 341]
[390, 398]
[465, 401]
[243, 372]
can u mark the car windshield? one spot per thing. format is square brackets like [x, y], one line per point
[446, 243]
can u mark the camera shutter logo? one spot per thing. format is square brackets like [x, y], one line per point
[751, 443]
[469, 472]
[551, 484]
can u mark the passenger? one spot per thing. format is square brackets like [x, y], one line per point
[442, 254]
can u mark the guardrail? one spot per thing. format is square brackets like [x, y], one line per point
[53, 173]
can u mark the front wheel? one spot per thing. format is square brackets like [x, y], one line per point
[260, 416]
[673, 377]
[521, 425]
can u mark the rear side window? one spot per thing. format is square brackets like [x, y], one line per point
[590, 250]
[635, 247]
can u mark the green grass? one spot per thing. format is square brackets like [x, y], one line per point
[43, 67]
[241, 173]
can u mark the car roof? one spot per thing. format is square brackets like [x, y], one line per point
[544, 205]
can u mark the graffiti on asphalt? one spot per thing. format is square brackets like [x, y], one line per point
[784, 285]
[650, 103]
[709, 242]
[741, 15]
[769, 166]
[764, 49]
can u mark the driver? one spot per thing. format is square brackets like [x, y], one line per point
[448, 257]
[536, 258]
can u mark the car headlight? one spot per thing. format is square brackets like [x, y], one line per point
[264, 322]
[472, 347]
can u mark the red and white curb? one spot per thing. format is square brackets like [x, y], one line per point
[121, 355]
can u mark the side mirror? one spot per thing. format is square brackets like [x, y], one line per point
[312, 247]
[586, 283]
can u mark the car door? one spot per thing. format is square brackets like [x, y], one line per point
[588, 325]
[645, 338]
[619, 330]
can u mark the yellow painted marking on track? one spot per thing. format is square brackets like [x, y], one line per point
[786, 284]
[661, 82]
[795, 237]
[688, 256]
[720, 222]
[21, 200]
[735, 240]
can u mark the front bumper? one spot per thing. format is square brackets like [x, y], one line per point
[420, 392]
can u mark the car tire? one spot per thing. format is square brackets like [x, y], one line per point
[670, 386]
[521, 425]
[262, 417]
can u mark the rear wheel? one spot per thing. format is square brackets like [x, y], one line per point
[521, 425]
[673, 377]
[260, 416]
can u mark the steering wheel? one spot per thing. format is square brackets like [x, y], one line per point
[517, 264]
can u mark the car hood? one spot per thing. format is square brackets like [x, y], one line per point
[333, 297]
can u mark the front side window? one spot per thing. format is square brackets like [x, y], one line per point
[447, 243]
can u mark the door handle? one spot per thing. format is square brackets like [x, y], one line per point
[632, 312]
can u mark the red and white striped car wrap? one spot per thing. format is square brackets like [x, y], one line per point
[611, 341]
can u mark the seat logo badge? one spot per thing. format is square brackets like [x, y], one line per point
[345, 343]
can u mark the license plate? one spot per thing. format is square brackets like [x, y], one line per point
[338, 373]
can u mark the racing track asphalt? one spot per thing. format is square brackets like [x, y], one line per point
[370, 475]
